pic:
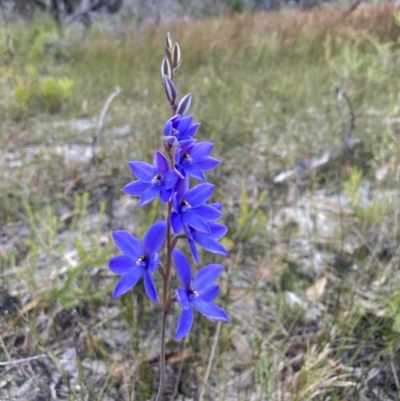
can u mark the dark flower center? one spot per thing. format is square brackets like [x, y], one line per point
[156, 180]
[186, 158]
[193, 293]
[142, 261]
[185, 206]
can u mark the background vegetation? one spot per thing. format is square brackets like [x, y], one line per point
[312, 282]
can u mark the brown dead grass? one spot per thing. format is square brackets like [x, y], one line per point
[378, 20]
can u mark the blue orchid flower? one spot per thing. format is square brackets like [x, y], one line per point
[138, 259]
[199, 294]
[152, 180]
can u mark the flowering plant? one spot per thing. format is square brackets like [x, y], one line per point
[188, 215]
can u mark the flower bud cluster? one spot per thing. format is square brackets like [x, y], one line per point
[189, 214]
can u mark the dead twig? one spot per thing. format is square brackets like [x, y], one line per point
[100, 122]
[23, 360]
[210, 361]
[306, 167]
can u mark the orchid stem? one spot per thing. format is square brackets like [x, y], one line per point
[165, 303]
[162, 357]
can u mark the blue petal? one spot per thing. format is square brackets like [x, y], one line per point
[165, 195]
[176, 223]
[201, 150]
[122, 264]
[150, 287]
[206, 277]
[181, 188]
[217, 206]
[128, 281]
[217, 230]
[199, 194]
[195, 221]
[210, 245]
[185, 323]
[182, 298]
[168, 128]
[209, 294]
[207, 164]
[176, 202]
[136, 188]
[154, 238]
[208, 213]
[149, 195]
[170, 179]
[210, 310]
[128, 244]
[153, 262]
[144, 171]
[194, 172]
[193, 251]
[183, 269]
[160, 163]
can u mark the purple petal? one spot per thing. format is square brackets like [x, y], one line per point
[122, 264]
[210, 293]
[149, 195]
[171, 140]
[160, 163]
[136, 188]
[210, 245]
[154, 238]
[206, 276]
[193, 129]
[207, 164]
[185, 323]
[201, 150]
[128, 281]
[184, 124]
[182, 298]
[208, 213]
[150, 287]
[185, 140]
[210, 310]
[199, 194]
[128, 244]
[183, 269]
[168, 128]
[176, 223]
[195, 221]
[144, 171]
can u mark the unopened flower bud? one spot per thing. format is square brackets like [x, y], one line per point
[176, 57]
[168, 42]
[184, 104]
[170, 89]
[166, 69]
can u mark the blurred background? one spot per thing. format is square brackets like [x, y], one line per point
[302, 101]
